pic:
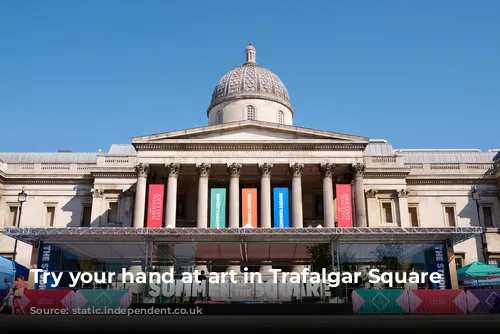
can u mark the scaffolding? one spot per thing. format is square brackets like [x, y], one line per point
[450, 235]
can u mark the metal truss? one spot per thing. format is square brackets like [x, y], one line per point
[451, 235]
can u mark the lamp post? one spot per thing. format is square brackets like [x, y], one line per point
[484, 245]
[21, 198]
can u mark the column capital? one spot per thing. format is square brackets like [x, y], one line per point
[173, 169]
[142, 169]
[359, 169]
[296, 169]
[403, 193]
[326, 170]
[234, 169]
[204, 169]
[97, 193]
[370, 193]
[265, 169]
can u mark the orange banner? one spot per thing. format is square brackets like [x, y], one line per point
[249, 207]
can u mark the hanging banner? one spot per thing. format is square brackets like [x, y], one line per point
[483, 301]
[249, 207]
[281, 211]
[344, 205]
[380, 301]
[218, 208]
[438, 301]
[49, 257]
[49, 300]
[155, 205]
[436, 259]
[102, 300]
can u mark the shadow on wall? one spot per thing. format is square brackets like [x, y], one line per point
[470, 210]
[80, 208]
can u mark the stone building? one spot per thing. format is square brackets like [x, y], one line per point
[251, 141]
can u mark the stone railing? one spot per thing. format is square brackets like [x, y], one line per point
[456, 168]
[380, 162]
[115, 160]
[48, 167]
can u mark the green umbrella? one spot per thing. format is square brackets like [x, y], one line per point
[477, 269]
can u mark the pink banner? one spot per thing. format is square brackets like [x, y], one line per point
[155, 205]
[438, 301]
[344, 205]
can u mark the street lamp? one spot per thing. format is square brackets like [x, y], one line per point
[21, 198]
[477, 197]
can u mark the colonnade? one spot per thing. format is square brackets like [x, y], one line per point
[265, 171]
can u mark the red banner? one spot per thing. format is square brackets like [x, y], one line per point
[438, 301]
[46, 300]
[344, 205]
[155, 205]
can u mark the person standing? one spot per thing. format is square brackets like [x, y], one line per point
[19, 286]
[9, 298]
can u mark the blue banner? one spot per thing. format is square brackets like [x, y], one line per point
[436, 259]
[47, 264]
[281, 211]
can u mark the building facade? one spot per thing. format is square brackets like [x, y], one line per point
[251, 142]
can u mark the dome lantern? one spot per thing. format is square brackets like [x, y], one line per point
[250, 52]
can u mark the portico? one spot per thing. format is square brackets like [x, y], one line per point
[308, 162]
[234, 176]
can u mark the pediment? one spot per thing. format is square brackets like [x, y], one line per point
[249, 131]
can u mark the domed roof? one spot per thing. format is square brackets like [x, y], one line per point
[250, 80]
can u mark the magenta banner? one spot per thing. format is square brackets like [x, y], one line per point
[483, 301]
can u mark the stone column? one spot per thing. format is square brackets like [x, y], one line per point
[404, 216]
[171, 204]
[452, 267]
[140, 194]
[202, 213]
[265, 195]
[372, 207]
[234, 170]
[359, 194]
[326, 171]
[96, 207]
[297, 215]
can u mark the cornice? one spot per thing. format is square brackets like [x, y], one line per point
[114, 175]
[385, 175]
[325, 146]
[50, 181]
[462, 181]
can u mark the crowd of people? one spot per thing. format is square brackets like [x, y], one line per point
[15, 292]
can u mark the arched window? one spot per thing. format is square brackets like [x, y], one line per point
[250, 113]
[219, 117]
[280, 117]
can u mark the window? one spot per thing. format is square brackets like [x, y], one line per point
[113, 212]
[50, 215]
[86, 216]
[12, 216]
[318, 207]
[219, 117]
[459, 260]
[449, 212]
[280, 117]
[387, 217]
[413, 214]
[181, 202]
[487, 216]
[250, 113]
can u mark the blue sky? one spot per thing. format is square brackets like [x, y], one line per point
[82, 75]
